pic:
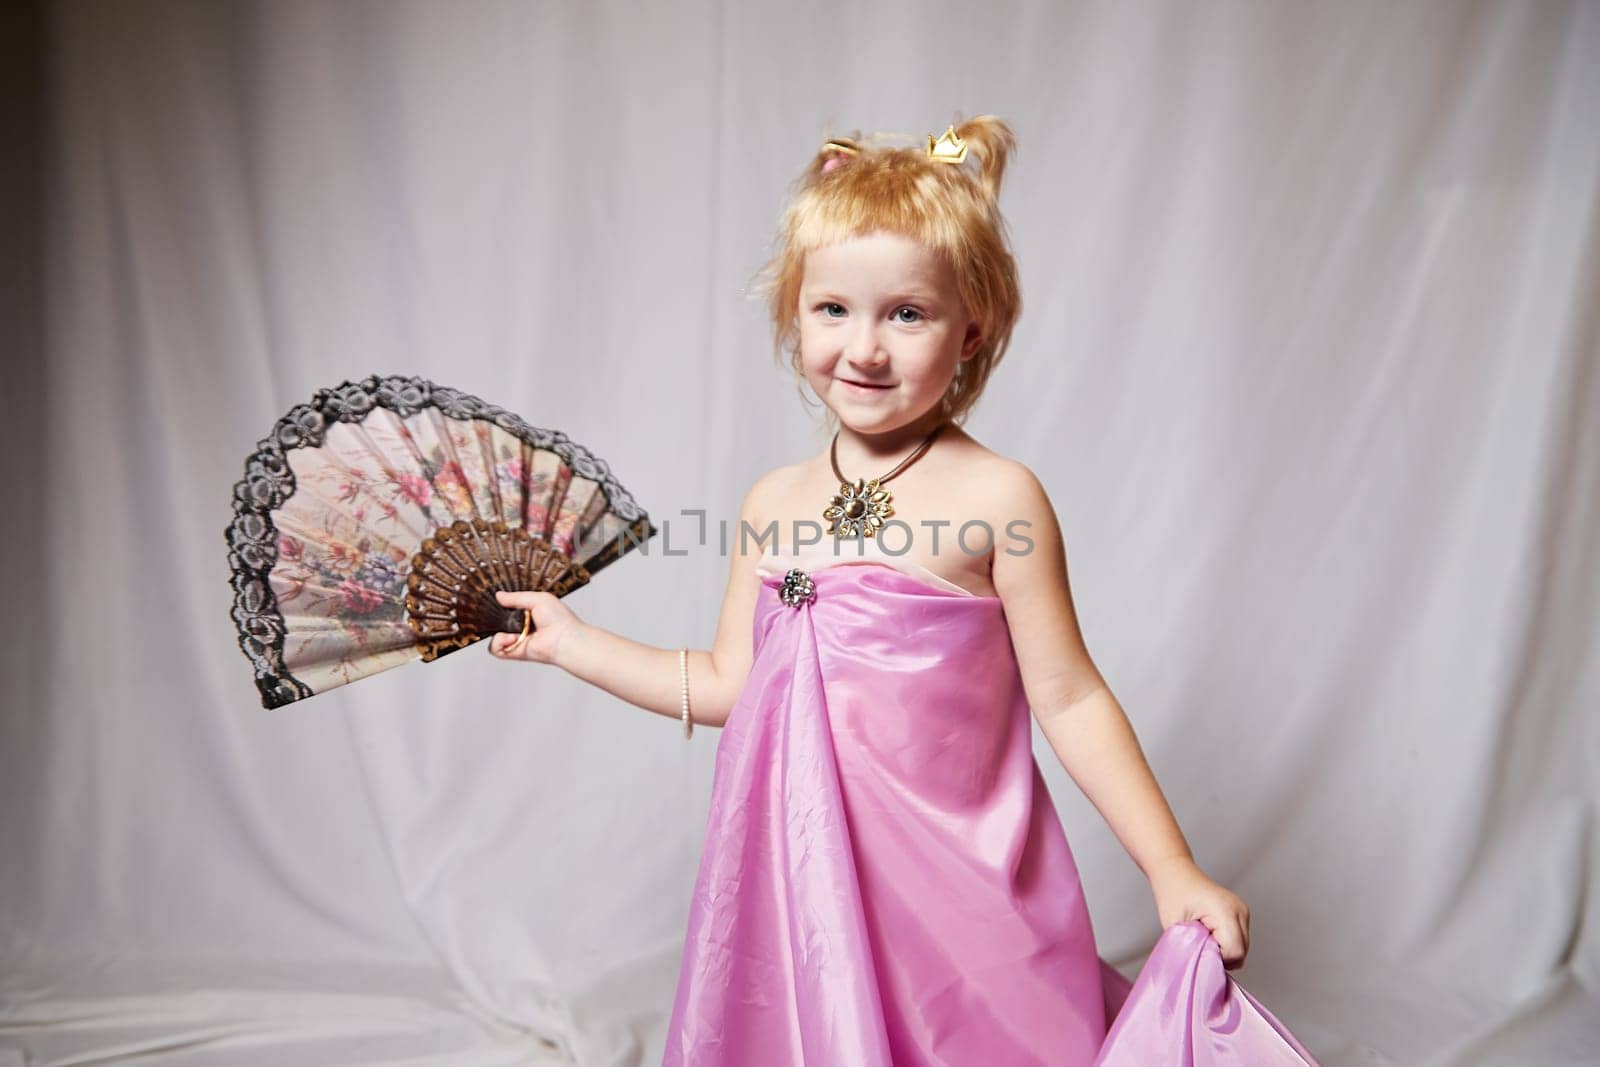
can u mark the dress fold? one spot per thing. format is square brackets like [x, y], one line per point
[885, 880]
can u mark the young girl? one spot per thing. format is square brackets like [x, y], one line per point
[885, 878]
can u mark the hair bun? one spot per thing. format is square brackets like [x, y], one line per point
[990, 140]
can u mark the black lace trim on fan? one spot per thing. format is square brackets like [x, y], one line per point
[269, 481]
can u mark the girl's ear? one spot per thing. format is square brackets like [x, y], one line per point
[972, 341]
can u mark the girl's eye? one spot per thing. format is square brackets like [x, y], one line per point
[829, 309]
[916, 316]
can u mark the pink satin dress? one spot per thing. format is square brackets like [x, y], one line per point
[885, 880]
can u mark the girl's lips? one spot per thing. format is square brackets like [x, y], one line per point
[863, 386]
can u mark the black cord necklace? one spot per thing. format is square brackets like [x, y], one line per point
[859, 510]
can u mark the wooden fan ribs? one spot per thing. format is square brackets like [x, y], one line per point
[456, 572]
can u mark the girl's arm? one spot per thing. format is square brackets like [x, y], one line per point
[1086, 726]
[644, 675]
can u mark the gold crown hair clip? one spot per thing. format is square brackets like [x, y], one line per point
[948, 148]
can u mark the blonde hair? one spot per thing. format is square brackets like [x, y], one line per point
[952, 209]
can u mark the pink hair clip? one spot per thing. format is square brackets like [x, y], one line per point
[842, 151]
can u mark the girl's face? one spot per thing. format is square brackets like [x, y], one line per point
[882, 327]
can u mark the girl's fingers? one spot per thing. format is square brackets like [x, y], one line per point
[1229, 937]
[1233, 953]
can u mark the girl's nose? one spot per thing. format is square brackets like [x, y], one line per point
[863, 348]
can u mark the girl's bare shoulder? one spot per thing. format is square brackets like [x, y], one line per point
[1004, 484]
[766, 497]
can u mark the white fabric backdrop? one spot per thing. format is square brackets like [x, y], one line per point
[1310, 364]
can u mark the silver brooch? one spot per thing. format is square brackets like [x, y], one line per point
[797, 588]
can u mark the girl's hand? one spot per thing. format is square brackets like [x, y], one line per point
[1183, 892]
[552, 621]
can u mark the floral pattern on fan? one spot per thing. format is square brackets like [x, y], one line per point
[337, 501]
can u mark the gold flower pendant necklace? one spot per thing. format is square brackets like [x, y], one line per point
[858, 510]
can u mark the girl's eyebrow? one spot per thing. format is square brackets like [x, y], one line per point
[905, 297]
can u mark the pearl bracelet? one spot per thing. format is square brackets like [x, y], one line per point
[683, 674]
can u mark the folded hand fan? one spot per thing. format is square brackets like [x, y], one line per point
[375, 524]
